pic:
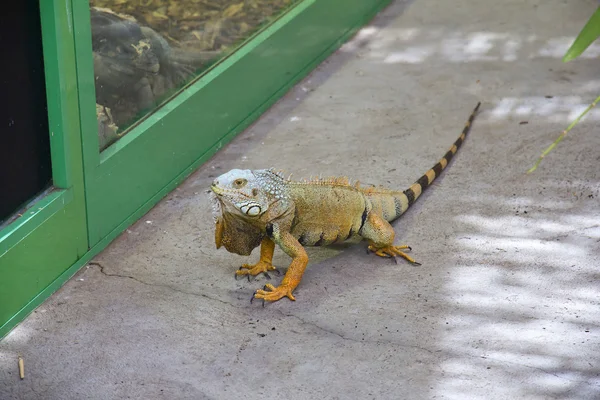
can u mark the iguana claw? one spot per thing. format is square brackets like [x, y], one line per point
[236, 275]
[252, 299]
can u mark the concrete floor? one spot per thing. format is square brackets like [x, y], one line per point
[506, 304]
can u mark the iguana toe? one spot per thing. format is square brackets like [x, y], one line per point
[253, 270]
[272, 293]
[393, 251]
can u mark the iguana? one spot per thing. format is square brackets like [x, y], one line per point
[262, 207]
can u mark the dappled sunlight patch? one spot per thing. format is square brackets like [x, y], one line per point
[360, 37]
[521, 249]
[410, 55]
[555, 109]
[457, 46]
[518, 293]
[557, 47]
[514, 225]
[523, 296]
[584, 221]
[414, 46]
[530, 225]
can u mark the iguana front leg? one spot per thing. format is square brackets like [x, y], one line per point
[293, 276]
[381, 234]
[265, 264]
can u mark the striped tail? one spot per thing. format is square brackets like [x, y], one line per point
[412, 193]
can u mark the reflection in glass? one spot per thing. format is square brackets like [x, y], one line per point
[146, 50]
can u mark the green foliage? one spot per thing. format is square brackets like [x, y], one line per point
[589, 33]
[562, 135]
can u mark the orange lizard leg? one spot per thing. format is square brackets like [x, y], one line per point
[267, 248]
[381, 238]
[292, 277]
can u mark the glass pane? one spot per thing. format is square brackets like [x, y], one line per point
[146, 50]
[25, 165]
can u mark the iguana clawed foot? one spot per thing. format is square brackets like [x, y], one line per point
[259, 267]
[272, 293]
[393, 251]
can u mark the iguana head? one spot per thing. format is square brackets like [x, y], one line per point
[248, 193]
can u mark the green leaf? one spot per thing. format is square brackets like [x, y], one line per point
[589, 33]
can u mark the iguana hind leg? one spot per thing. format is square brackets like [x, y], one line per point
[380, 235]
[264, 265]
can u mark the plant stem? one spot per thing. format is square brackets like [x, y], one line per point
[562, 135]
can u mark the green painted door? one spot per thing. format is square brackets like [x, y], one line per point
[46, 234]
[164, 90]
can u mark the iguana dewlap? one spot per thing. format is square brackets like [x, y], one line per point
[261, 207]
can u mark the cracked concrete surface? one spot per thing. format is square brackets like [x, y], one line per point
[505, 305]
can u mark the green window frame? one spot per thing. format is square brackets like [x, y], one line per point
[38, 248]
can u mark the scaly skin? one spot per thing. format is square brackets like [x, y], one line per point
[265, 264]
[262, 206]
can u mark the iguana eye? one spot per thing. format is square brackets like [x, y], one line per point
[238, 183]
